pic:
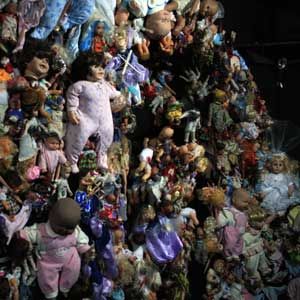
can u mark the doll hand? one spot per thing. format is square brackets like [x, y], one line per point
[290, 190]
[73, 117]
[167, 45]
[89, 255]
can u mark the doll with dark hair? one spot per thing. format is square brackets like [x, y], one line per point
[89, 109]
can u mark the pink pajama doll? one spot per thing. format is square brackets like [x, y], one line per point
[89, 109]
[58, 244]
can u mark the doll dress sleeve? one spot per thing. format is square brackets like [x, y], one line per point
[82, 240]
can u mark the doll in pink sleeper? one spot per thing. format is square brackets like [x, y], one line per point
[58, 243]
[51, 154]
[89, 109]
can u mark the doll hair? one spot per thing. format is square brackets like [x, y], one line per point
[52, 135]
[82, 64]
[279, 157]
[214, 196]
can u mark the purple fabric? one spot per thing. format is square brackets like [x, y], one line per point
[96, 226]
[162, 242]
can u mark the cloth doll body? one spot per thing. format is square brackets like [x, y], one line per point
[59, 243]
[89, 101]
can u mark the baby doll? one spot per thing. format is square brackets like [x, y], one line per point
[233, 222]
[89, 110]
[278, 189]
[58, 243]
[51, 155]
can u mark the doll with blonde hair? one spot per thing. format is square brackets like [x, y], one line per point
[278, 188]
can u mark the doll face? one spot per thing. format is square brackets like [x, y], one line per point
[96, 73]
[277, 166]
[38, 66]
[52, 143]
[159, 23]
[99, 30]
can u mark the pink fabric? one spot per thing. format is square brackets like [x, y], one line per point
[91, 102]
[19, 222]
[49, 159]
[33, 173]
[233, 241]
[59, 266]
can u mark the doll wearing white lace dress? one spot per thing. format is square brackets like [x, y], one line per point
[278, 188]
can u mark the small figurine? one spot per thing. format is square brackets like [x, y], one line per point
[193, 123]
[62, 185]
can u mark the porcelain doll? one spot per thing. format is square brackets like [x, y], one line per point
[86, 117]
[51, 155]
[59, 243]
[278, 189]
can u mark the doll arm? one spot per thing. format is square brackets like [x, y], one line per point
[61, 157]
[171, 6]
[42, 163]
[73, 96]
[82, 240]
[30, 234]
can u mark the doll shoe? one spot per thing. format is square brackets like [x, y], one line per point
[74, 168]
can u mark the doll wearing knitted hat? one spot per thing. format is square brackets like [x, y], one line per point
[59, 243]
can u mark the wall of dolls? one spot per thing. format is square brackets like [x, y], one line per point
[138, 157]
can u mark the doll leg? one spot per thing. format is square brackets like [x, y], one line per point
[105, 139]
[79, 13]
[76, 138]
[48, 276]
[50, 18]
[70, 273]
[252, 266]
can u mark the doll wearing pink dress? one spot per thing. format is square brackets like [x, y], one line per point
[51, 154]
[58, 243]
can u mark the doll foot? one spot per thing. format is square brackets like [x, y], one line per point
[74, 168]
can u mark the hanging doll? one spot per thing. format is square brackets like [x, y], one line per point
[89, 109]
[59, 243]
[129, 72]
[278, 189]
[193, 123]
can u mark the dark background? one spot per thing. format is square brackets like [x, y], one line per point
[267, 31]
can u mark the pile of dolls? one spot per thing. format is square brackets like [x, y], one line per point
[138, 159]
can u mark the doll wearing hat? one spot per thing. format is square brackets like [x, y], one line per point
[59, 243]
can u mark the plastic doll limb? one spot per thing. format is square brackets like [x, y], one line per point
[143, 49]
[179, 25]
[167, 45]
[73, 117]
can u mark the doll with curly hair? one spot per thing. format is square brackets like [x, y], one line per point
[278, 188]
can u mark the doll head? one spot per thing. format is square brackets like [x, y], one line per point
[214, 196]
[220, 266]
[279, 163]
[121, 38]
[166, 133]
[88, 66]
[52, 141]
[209, 7]
[64, 216]
[159, 24]
[31, 101]
[241, 199]
[65, 171]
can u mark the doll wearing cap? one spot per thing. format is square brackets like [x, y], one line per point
[58, 243]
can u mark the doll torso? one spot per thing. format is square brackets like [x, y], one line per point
[93, 99]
